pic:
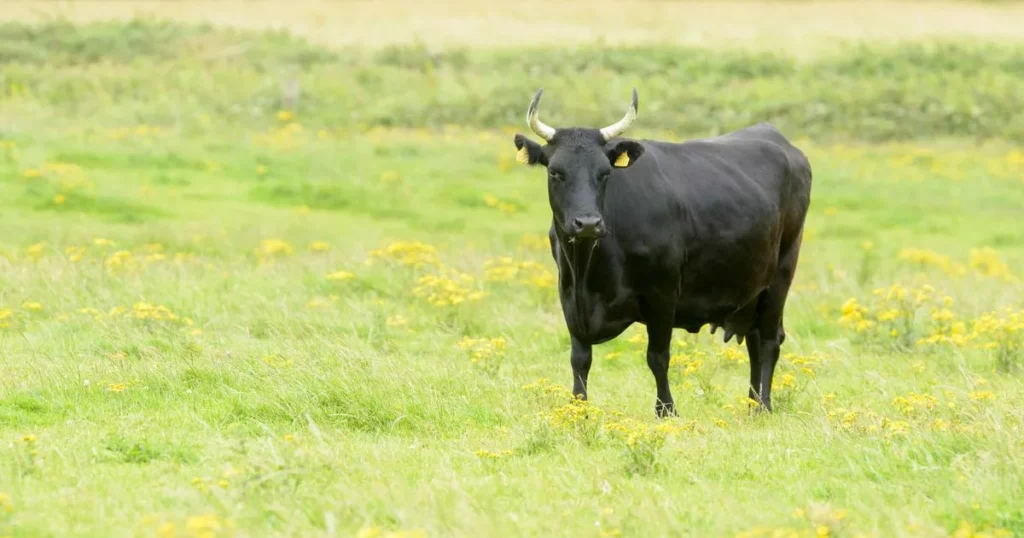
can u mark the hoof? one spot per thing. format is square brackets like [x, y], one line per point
[757, 407]
[663, 410]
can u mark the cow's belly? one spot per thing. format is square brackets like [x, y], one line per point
[725, 296]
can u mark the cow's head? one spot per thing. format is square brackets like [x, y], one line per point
[579, 162]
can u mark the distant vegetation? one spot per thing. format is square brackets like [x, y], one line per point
[116, 70]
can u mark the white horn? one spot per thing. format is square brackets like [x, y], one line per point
[620, 127]
[543, 130]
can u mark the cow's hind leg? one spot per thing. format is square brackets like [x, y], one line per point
[754, 352]
[768, 330]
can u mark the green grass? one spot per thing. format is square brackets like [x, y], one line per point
[266, 399]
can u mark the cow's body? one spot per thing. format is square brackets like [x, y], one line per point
[700, 232]
[714, 217]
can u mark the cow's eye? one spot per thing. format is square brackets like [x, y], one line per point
[555, 176]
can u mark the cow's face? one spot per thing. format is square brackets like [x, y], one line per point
[579, 163]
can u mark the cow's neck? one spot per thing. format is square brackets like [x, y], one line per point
[578, 261]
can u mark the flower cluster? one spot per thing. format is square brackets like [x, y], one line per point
[483, 352]
[915, 404]
[919, 412]
[277, 360]
[224, 482]
[690, 362]
[567, 413]
[396, 321]
[487, 454]
[505, 207]
[892, 312]
[1000, 332]
[643, 442]
[446, 288]
[527, 272]
[634, 432]
[141, 311]
[730, 354]
[985, 262]
[578, 414]
[273, 248]
[341, 276]
[804, 364]
[319, 246]
[6, 506]
[534, 242]
[282, 137]
[967, 530]
[548, 393]
[411, 253]
[925, 258]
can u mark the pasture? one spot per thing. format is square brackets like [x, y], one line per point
[256, 285]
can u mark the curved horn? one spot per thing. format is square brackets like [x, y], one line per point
[619, 127]
[542, 129]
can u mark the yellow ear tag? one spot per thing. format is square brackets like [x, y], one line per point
[523, 156]
[622, 161]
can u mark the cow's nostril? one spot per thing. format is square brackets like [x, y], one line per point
[587, 225]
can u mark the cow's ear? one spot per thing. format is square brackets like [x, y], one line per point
[624, 153]
[529, 152]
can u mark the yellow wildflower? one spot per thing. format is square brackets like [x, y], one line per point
[319, 246]
[396, 321]
[6, 506]
[340, 276]
[275, 247]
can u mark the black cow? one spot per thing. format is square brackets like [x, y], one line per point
[672, 235]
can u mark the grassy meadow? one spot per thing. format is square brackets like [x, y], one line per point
[256, 285]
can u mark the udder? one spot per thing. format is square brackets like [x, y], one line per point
[692, 314]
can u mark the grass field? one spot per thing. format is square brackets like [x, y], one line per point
[229, 311]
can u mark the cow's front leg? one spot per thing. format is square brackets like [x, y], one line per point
[659, 338]
[581, 358]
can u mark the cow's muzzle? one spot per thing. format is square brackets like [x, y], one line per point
[587, 227]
